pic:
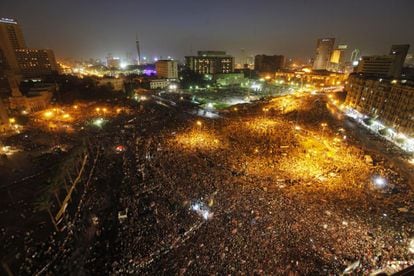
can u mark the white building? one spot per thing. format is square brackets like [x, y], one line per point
[159, 84]
[116, 83]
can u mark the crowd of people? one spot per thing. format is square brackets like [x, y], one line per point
[279, 195]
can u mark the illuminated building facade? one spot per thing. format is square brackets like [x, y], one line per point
[337, 62]
[324, 48]
[376, 65]
[389, 100]
[31, 103]
[167, 69]
[315, 78]
[355, 56]
[11, 38]
[113, 62]
[271, 64]
[116, 84]
[159, 83]
[385, 65]
[36, 62]
[210, 62]
[17, 59]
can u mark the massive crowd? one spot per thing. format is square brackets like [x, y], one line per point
[263, 191]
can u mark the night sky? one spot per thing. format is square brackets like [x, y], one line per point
[84, 29]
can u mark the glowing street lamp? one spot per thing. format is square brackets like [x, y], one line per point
[324, 125]
[379, 181]
[199, 123]
[48, 114]
[98, 122]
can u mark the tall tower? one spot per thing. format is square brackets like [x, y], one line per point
[324, 50]
[138, 50]
[11, 39]
[399, 52]
[355, 56]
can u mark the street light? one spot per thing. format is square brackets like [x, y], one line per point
[379, 181]
[324, 125]
[48, 114]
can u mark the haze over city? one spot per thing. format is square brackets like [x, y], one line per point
[84, 29]
[207, 137]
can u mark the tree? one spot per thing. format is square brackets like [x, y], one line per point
[43, 204]
[54, 188]
[191, 78]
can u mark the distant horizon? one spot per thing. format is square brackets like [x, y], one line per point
[289, 28]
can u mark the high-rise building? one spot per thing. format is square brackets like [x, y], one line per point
[399, 52]
[167, 69]
[13, 32]
[324, 48]
[271, 64]
[355, 57]
[113, 62]
[17, 59]
[11, 38]
[337, 62]
[36, 62]
[391, 101]
[210, 62]
[385, 65]
[336, 56]
[376, 65]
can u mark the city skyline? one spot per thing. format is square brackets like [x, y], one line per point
[170, 29]
[206, 137]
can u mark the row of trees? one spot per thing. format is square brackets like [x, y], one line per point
[62, 181]
[72, 88]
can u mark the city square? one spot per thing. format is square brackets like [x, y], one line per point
[206, 138]
[261, 185]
